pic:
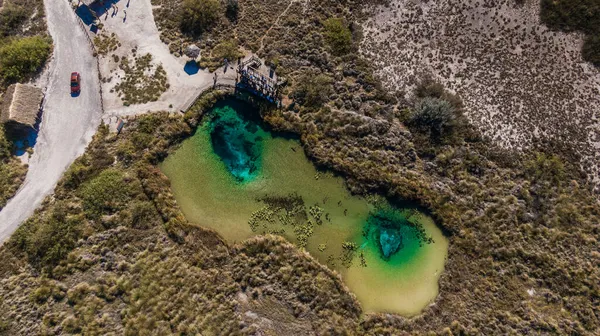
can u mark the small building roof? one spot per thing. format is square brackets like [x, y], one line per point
[192, 51]
[21, 104]
[88, 2]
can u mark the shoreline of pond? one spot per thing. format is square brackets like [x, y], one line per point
[234, 101]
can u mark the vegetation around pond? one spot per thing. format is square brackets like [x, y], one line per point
[523, 227]
[101, 262]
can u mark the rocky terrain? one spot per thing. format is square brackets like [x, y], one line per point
[523, 85]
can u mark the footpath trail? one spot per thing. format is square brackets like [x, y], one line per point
[138, 30]
[68, 123]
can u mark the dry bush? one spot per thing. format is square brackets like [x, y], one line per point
[143, 82]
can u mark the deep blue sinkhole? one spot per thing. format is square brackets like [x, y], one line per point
[390, 230]
[237, 141]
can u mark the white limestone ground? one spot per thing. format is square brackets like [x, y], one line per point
[139, 30]
[520, 82]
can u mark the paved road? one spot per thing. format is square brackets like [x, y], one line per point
[68, 123]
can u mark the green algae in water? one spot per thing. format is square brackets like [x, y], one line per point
[286, 195]
[238, 142]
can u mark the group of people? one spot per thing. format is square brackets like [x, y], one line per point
[115, 9]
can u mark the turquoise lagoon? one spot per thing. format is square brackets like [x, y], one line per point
[240, 180]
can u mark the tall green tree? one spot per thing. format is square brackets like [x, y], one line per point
[199, 16]
[21, 58]
[11, 18]
[338, 36]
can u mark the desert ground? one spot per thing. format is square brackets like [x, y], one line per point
[521, 83]
[135, 28]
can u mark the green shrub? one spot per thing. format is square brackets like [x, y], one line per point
[48, 240]
[5, 145]
[428, 87]
[141, 215]
[11, 18]
[226, 50]
[435, 116]
[3, 326]
[41, 294]
[591, 49]
[571, 15]
[543, 167]
[338, 36]
[105, 194]
[313, 91]
[232, 8]
[21, 58]
[12, 172]
[78, 293]
[199, 16]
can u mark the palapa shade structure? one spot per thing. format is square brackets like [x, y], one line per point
[192, 51]
[21, 105]
[88, 2]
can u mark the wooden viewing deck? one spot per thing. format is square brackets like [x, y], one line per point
[256, 82]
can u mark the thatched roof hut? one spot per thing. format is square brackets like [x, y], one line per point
[88, 2]
[21, 105]
[192, 51]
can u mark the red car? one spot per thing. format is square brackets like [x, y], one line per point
[75, 79]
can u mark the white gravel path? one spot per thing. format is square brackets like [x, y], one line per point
[68, 123]
[139, 30]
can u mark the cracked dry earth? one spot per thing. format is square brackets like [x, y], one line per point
[520, 82]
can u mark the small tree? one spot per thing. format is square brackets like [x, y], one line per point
[591, 49]
[226, 50]
[199, 16]
[11, 18]
[435, 116]
[232, 8]
[338, 36]
[21, 58]
[313, 91]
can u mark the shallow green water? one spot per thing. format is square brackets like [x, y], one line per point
[258, 184]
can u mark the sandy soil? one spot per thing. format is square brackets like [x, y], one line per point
[68, 123]
[139, 30]
[520, 81]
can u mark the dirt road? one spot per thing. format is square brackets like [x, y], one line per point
[68, 122]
